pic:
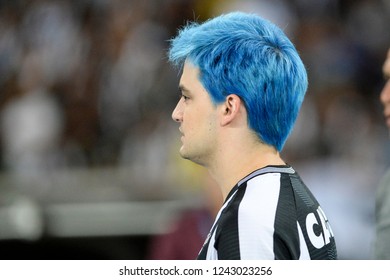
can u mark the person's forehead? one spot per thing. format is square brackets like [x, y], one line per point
[190, 68]
[190, 73]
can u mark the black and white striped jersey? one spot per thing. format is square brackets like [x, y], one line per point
[270, 214]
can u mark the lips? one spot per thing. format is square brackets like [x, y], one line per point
[182, 134]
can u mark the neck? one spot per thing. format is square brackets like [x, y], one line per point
[232, 164]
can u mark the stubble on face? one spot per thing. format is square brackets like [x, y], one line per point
[200, 152]
[198, 123]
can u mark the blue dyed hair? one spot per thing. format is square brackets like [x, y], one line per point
[246, 55]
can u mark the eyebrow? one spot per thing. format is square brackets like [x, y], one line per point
[183, 88]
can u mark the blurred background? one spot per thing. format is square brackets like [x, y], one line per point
[89, 165]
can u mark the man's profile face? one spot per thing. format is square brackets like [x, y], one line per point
[385, 94]
[197, 116]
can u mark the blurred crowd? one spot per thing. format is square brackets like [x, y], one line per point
[85, 83]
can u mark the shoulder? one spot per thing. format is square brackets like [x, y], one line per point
[255, 200]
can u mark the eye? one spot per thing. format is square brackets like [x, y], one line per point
[185, 97]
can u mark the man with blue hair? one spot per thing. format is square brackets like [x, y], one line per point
[242, 87]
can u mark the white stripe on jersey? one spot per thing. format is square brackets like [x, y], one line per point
[256, 238]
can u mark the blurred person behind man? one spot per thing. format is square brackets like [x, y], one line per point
[382, 245]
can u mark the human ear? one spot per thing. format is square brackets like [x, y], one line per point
[230, 109]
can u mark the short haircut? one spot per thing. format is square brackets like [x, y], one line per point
[246, 55]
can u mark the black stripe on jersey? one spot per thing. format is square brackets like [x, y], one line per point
[286, 240]
[227, 231]
[303, 193]
[203, 252]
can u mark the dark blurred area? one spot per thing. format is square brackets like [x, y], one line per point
[88, 152]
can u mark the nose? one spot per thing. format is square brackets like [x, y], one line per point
[177, 114]
[385, 94]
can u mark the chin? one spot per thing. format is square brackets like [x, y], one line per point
[191, 156]
[185, 155]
